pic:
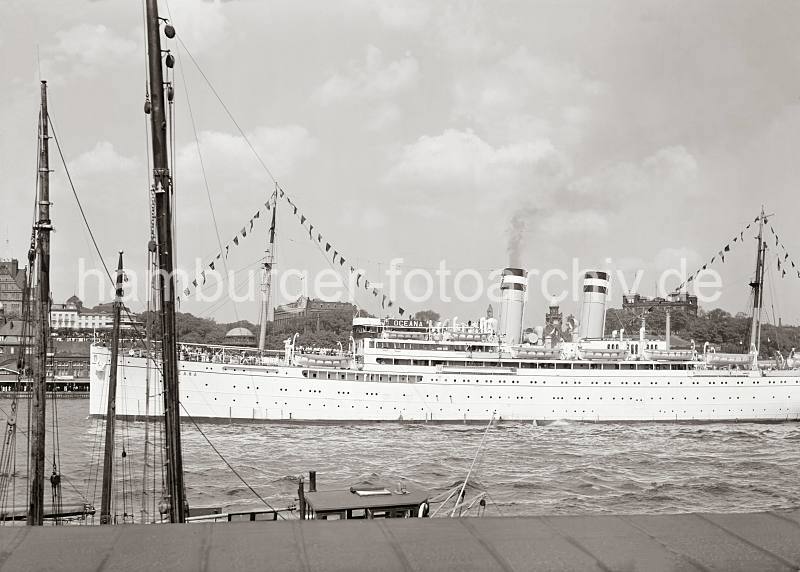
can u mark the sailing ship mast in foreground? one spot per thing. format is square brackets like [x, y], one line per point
[42, 314]
[162, 188]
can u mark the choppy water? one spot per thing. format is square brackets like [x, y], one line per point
[562, 468]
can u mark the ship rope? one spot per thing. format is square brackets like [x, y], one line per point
[8, 455]
[361, 281]
[233, 470]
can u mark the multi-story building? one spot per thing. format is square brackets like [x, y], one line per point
[71, 315]
[305, 310]
[682, 301]
[12, 286]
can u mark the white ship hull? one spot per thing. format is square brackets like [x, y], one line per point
[283, 393]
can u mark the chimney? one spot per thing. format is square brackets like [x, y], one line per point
[593, 310]
[513, 285]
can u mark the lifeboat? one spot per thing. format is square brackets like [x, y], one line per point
[466, 336]
[408, 335]
[538, 353]
[669, 355]
[320, 359]
[718, 359]
[603, 354]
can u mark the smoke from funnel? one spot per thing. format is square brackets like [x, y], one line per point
[516, 234]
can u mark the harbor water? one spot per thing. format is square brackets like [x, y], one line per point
[560, 468]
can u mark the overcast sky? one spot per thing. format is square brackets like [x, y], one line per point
[639, 132]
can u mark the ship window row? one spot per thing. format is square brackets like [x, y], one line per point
[358, 376]
[475, 346]
[534, 365]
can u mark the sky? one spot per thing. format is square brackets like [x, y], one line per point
[627, 134]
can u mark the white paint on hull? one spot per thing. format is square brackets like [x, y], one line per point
[220, 391]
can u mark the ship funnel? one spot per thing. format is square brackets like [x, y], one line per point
[593, 310]
[513, 285]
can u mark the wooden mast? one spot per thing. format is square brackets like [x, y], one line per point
[111, 410]
[266, 286]
[39, 390]
[162, 187]
[758, 289]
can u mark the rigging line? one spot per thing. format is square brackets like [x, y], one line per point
[75, 194]
[224, 460]
[225, 107]
[203, 169]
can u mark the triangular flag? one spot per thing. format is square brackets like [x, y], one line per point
[366, 284]
[689, 279]
[251, 225]
[258, 214]
[302, 219]
[352, 270]
[218, 255]
[295, 209]
[327, 246]
[741, 236]
[281, 192]
[735, 238]
[236, 240]
[383, 301]
[401, 311]
[374, 292]
[786, 257]
[756, 219]
[341, 261]
[358, 277]
[227, 250]
[187, 291]
[783, 273]
[727, 248]
[194, 283]
[203, 276]
[211, 266]
[335, 254]
[391, 303]
[268, 207]
[244, 232]
[319, 238]
[712, 260]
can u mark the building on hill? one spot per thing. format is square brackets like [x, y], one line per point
[72, 315]
[12, 286]
[680, 302]
[306, 310]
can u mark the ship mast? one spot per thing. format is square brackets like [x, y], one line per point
[266, 286]
[108, 454]
[758, 289]
[39, 392]
[162, 187]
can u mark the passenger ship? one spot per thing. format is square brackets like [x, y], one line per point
[407, 370]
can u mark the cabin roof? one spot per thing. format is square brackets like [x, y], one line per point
[324, 501]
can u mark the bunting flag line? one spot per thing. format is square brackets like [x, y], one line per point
[738, 238]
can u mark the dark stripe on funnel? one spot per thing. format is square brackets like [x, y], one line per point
[590, 288]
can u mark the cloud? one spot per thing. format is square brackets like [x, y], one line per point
[228, 159]
[200, 24]
[88, 46]
[520, 96]
[372, 79]
[402, 14]
[384, 116]
[671, 172]
[102, 159]
[462, 162]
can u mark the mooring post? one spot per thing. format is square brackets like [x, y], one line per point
[312, 481]
[301, 495]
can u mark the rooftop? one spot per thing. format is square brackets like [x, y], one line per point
[732, 542]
